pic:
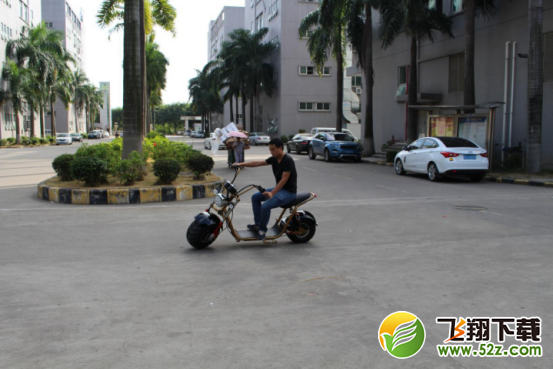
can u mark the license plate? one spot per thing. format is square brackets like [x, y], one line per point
[470, 157]
[348, 151]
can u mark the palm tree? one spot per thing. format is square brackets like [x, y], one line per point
[16, 77]
[37, 49]
[204, 92]
[473, 9]
[32, 92]
[330, 23]
[94, 103]
[417, 22]
[249, 57]
[80, 97]
[360, 35]
[59, 83]
[156, 75]
[137, 18]
[535, 85]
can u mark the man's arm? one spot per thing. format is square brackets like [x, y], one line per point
[285, 176]
[252, 164]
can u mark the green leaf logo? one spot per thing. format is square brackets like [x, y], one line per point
[402, 335]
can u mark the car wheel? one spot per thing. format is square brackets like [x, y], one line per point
[399, 168]
[288, 149]
[209, 146]
[312, 155]
[433, 173]
[254, 142]
[328, 158]
[476, 177]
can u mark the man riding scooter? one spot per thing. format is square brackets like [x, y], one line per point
[284, 170]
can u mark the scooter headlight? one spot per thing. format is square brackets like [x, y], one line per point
[219, 200]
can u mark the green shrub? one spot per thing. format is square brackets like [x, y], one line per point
[43, 141]
[35, 140]
[85, 135]
[25, 140]
[200, 165]
[290, 137]
[155, 134]
[132, 169]
[384, 146]
[390, 156]
[51, 139]
[11, 140]
[3, 142]
[513, 161]
[284, 139]
[167, 170]
[301, 131]
[91, 170]
[110, 153]
[62, 166]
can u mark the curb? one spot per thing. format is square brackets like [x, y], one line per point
[127, 196]
[527, 182]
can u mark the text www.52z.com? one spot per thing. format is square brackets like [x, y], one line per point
[489, 350]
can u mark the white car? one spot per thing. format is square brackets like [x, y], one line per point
[317, 130]
[105, 134]
[438, 156]
[212, 138]
[259, 138]
[64, 139]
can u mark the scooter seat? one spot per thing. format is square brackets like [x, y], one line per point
[301, 197]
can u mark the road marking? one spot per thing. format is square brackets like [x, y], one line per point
[311, 169]
[336, 175]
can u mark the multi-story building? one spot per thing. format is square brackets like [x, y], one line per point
[14, 16]
[105, 112]
[302, 98]
[229, 19]
[64, 16]
[441, 74]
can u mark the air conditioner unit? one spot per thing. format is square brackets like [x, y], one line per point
[358, 90]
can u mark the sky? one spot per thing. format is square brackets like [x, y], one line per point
[186, 52]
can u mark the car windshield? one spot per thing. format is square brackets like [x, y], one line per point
[75, 134]
[456, 142]
[339, 137]
[63, 135]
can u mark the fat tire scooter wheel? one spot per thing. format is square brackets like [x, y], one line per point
[310, 228]
[200, 236]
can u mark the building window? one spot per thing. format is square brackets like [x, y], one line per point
[311, 106]
[548, 58]
[23, 11]
[307, 34]
[310, 71]
[457, 6]
[273, 10]
[357, 81]
[457, 73]
[259, 22]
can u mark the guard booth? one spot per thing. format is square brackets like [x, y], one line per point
[452, 121]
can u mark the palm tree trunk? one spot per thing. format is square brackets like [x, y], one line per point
[244, 109]
[145, 98]
[133, 104]
[17, 128]
[148, 113]
[53, 117]
[412, 122]
[250, 103]
[470, 17]
[33, 132]
[368, 137]
[340, 87]
[76, 118]
[231, 110]
[42, 127]
[535, 85]
[237, 114]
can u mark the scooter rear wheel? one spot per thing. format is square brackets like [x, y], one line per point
[200, 236]
[309, 228]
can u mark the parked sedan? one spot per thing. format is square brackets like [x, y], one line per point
[64, 139]
[438, 156]
[93, 135]
[77, 137]
[211, 139]
[300, 143]
[334, 145]
[259, 138]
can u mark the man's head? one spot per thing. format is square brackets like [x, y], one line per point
[276, 147]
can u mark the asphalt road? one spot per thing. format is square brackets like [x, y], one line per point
[119, 287]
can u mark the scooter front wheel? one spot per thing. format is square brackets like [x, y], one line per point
[308, 227]
[200, 236]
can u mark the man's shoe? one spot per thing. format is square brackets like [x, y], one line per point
[253, 227]
[261, 235]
